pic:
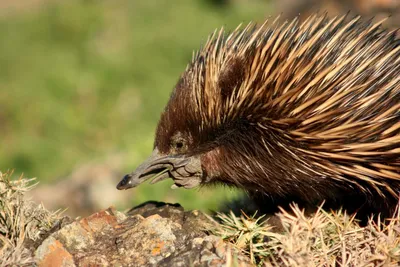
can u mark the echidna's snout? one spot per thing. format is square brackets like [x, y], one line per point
[154, 166]
[185, 171]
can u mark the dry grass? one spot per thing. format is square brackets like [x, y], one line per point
[323, 239]
[21, 221]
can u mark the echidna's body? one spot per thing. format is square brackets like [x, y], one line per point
[291, 112]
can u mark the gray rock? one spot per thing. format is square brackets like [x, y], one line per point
[153, 234]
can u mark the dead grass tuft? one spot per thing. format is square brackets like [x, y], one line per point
[21, 221]
[323, 239]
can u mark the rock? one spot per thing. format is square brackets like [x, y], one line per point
[153, 234]
[53, 253]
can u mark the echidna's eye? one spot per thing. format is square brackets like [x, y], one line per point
[179, 145]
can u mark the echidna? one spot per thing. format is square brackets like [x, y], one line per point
[294, 112]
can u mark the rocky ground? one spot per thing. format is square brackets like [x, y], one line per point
[154, 234]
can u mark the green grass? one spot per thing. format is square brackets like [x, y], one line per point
[82, 80]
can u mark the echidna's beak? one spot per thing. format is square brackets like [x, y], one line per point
[185, 171]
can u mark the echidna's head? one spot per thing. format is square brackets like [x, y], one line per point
[186, 144]
[195, 124]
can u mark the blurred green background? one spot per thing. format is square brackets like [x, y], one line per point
[83, 80]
